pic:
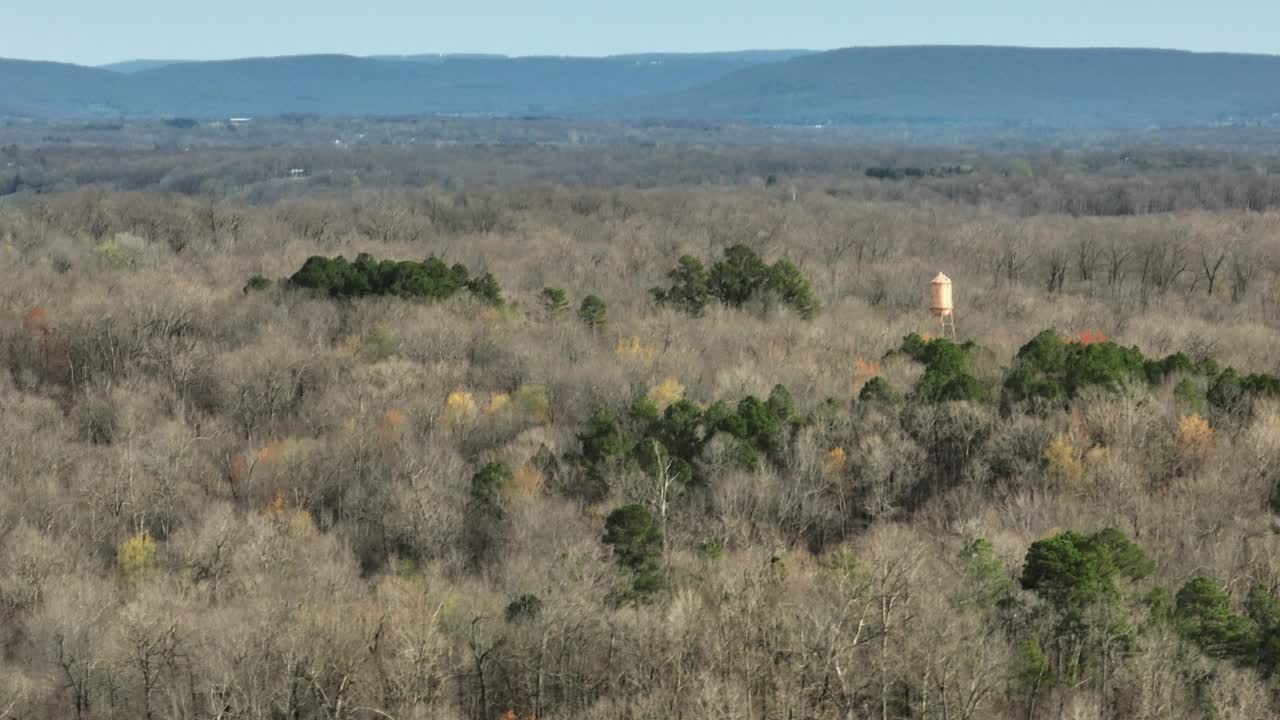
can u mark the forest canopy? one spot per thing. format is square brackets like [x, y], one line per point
[520, 429]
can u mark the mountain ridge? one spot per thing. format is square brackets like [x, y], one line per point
[1125, 87]
[934, 85]
[335, 84]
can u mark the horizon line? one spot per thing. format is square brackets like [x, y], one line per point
[479, 55]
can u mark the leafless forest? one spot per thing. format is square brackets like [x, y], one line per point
[231, 499]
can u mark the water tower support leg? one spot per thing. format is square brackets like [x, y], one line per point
[949, 325]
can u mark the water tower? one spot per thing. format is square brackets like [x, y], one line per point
[941, 304]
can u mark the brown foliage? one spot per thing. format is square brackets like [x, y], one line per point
[36, 321]
[302, 470]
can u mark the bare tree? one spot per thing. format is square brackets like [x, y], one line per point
[482, 646]
[1244, 268]
[1088, 252]
[1011, 257]
[1057, 265]
[1210, 263]
[152, 649]
[1117, 259]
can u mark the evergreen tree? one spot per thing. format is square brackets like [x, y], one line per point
[593, 312]
[636, 540]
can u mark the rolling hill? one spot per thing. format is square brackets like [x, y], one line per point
[45, 89]
[345, 85]
[987, 87]
[133, 66]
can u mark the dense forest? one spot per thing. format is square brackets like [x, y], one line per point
[513, 431]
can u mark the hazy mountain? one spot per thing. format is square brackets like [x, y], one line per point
[345, 85]
[45, 89]
[934, 86]
[133, 66]
[440, 57]
[987, 86]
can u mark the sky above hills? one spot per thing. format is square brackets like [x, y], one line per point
[94, 32]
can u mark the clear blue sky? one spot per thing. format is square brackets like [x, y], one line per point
[98, 31]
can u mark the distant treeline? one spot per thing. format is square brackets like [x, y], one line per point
[1101, 183]
[899, 173]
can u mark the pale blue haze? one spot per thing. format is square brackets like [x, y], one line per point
[100, 31]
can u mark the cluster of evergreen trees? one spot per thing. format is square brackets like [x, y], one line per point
[899, 173]
[678, 445]
[1052, 370]
[739, 278]
[947, 375]
[1071, 572]
[431, 279]
[673, 440]
[1202, 613]
[1049, 368]
[1094, 605]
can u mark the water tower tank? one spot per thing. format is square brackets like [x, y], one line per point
[940, 296]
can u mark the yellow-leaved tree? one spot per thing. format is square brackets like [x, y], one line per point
[666, 393]
[1195, 440]
[460, 406]
[1062, 462]
[632, 349]
[834, 462]
[136, 554]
